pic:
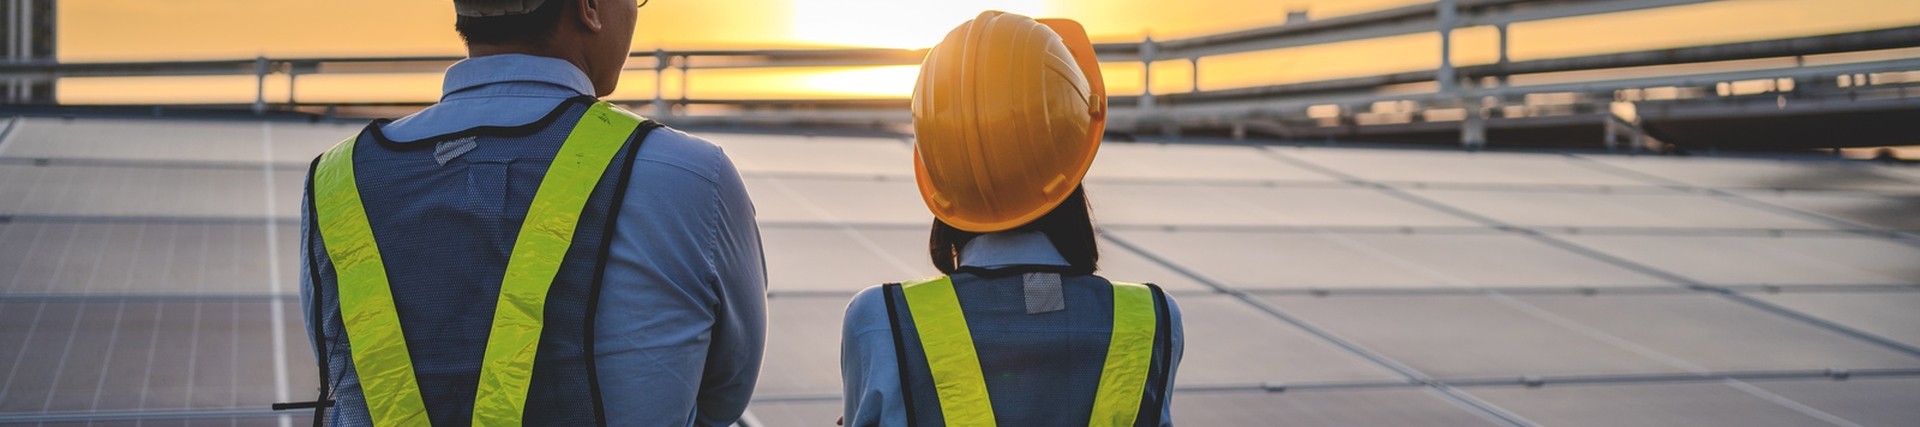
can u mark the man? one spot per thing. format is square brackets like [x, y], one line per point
[522, 253]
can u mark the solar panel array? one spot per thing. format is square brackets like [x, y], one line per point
[148, 276]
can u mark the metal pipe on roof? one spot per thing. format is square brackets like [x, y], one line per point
[23, 91]
[13, 45]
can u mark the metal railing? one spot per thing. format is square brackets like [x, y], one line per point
[1477, 88]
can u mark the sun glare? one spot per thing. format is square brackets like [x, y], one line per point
[876, 82]
[907, 24]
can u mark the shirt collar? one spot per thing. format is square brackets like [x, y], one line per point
[1011, 248]
[475, 72]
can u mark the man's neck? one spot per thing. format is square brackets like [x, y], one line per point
[576, 58]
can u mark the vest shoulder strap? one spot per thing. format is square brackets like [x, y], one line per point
[366, 301]
[506, 372]
[1123, 381]
[948, 344]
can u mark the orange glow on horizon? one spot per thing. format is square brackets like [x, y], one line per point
[121, 30]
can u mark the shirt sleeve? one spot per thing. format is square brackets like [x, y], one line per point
[1179, 344]
[740, 319]
[869, 369]
[306, 273]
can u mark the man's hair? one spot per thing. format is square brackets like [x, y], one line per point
[533, 27]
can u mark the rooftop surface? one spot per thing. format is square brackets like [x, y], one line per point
[148, 275]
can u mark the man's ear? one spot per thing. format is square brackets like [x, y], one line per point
[590, 15]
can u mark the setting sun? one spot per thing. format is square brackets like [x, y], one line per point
[893, 23]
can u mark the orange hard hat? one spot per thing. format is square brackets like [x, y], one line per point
[1008, 114]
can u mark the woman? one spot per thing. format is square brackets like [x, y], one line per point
[1008, 113]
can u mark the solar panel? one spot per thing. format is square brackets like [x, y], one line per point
[1767, 260]
[1230, 343]
[1874, 210]
[136, 277]
[1689, 404]
[123, 191]
[842, 259]
[795, 414]
[1654, 209]
[1240, 205]
[125, 257]
[761, 154]
[124, 354]
[838, 200]
[172, 141]
[1465, 336]
[1888, 314]
[1865, 401]
[803, 351]
[1385, 408]
[1192, 162]
[1457, 168]
[1329, 260]
[1744, 173]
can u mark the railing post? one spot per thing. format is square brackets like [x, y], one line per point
[293, 73]
[260, 85]
[1445, 75]
[17, 51]
[685, 63]
[660, 62]
[1473, 130]
[26, 47]
[1196, 73]
[1147, 51]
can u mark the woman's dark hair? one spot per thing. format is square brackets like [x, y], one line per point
[1069, 226]
[534, 27]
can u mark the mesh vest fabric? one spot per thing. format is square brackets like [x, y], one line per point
[1040, 369]
[446, 233]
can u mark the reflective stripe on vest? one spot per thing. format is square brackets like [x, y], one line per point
[955, 364]
[366, 300]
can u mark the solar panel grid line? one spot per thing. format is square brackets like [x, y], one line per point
[1479, 382]
[193, 353]
[848, 294]
[1790, 404]
[20, 353]
[277, 311]
[906, 270]
[1589, 290]
[1473, 405]
[147, 219]
[1624, 263]
[7, 132]
[1866, 229]
[113, 340]
[13, 280]
[133, 415]
[147, 297]
[1316, 229]
[66, 347]
[1442, 277]
[148, 163]
[79, 316]
[150, 372]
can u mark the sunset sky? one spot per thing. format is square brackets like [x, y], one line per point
[120, 30]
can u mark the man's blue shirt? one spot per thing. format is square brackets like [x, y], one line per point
[681, 321]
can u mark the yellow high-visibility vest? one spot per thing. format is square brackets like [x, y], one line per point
[955, 364]
[367, 308]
